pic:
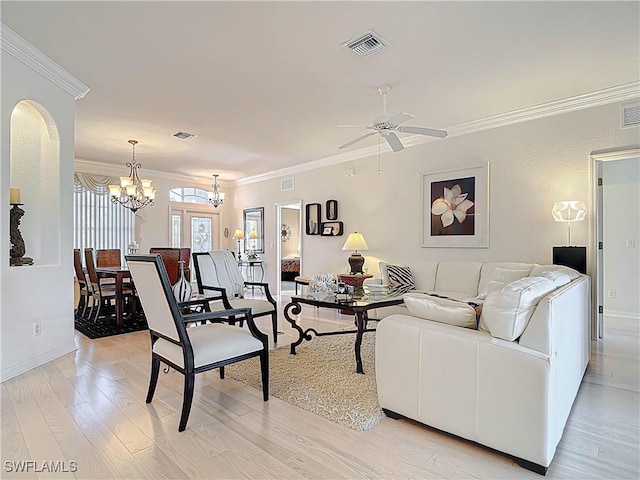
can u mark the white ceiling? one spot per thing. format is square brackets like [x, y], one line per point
[264, 84]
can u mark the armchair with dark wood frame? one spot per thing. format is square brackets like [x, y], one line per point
[208, 344]
[209, 279]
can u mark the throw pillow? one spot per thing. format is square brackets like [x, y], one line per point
[506, 311]
[400, 279]
[442, 310]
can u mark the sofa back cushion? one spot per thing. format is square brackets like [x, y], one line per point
[495, 272]
[458, 277]
[507, 310]
[441, 310]
[424, 274]
[540, 270]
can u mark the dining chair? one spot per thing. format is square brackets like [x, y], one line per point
[104, 293]
[201, 347]
[108, 257]
[85, 288]
[171, 257]
[218, 275]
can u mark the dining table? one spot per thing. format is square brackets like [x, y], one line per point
[119, 274]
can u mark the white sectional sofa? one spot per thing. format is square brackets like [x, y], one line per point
[511, 390]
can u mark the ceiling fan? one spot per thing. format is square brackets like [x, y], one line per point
[387, 125]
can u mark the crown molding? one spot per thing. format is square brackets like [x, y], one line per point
[620, 93]
[115, 170]
[18, 47]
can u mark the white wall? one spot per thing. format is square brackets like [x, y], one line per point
[42, 292]
[621, 222]
[291, 217]
[532, 164]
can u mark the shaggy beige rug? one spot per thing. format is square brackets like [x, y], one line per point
[322, 379]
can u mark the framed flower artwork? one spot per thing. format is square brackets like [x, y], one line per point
[455, 208]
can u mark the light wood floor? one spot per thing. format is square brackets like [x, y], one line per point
[88, 407]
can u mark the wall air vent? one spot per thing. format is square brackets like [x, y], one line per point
[184, 135]
[286, 184]
[365, 44]
[630, 115]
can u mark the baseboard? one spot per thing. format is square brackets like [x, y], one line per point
[36, 361]
[618, 314]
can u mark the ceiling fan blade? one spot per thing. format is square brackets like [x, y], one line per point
[423, 131]
[354, 126]
[394, 142]
[400, 118]
[357, 139]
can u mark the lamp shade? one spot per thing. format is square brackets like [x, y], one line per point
[238, 234]
[253, 234]
[355, 241]
[569, 211]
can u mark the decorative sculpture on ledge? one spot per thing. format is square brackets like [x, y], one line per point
[18, 249]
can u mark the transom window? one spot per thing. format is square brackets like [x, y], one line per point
[189, 195]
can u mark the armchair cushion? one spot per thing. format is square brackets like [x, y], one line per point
[256, 305]
[211, 343]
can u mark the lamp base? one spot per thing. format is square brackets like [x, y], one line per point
[356, 261]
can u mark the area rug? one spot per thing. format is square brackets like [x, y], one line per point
[106, 325]
[322, 379]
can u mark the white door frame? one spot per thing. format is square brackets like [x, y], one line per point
[279, 206]
[596, 257]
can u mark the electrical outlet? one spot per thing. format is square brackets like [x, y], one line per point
[37, 329]
[611, 293]
[630, 243]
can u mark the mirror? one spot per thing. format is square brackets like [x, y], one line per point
[253, 230]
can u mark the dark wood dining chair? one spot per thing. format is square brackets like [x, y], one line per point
[108, 257]
[201, 347]
[171, 257]
[103, 293]
[85, 288]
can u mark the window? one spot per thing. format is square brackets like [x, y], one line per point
[189, 195]
[97, 222]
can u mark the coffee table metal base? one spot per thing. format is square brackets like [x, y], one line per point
[361, 320]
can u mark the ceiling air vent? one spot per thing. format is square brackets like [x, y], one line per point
[630, 115]
[184, 135]
[366, 43]
[286, 184]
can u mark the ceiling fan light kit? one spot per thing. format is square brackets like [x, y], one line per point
[387, 126]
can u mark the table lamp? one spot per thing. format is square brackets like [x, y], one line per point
[238, 235]
[253, 241]
[569, 211]
[575, 257]
[355, 241]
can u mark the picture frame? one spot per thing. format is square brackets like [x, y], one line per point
[313, 213]
[332, 229]
[332, 209]
[455, 207]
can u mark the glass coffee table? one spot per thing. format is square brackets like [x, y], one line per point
[356, 306]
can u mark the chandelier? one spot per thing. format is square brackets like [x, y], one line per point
[133, 193]
[216, 197]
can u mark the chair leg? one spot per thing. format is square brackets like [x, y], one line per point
[153, 381]
[221, 373]
[264, 370]
[189, 381]
[274, 325]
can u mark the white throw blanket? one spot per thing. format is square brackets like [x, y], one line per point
[229, 275]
